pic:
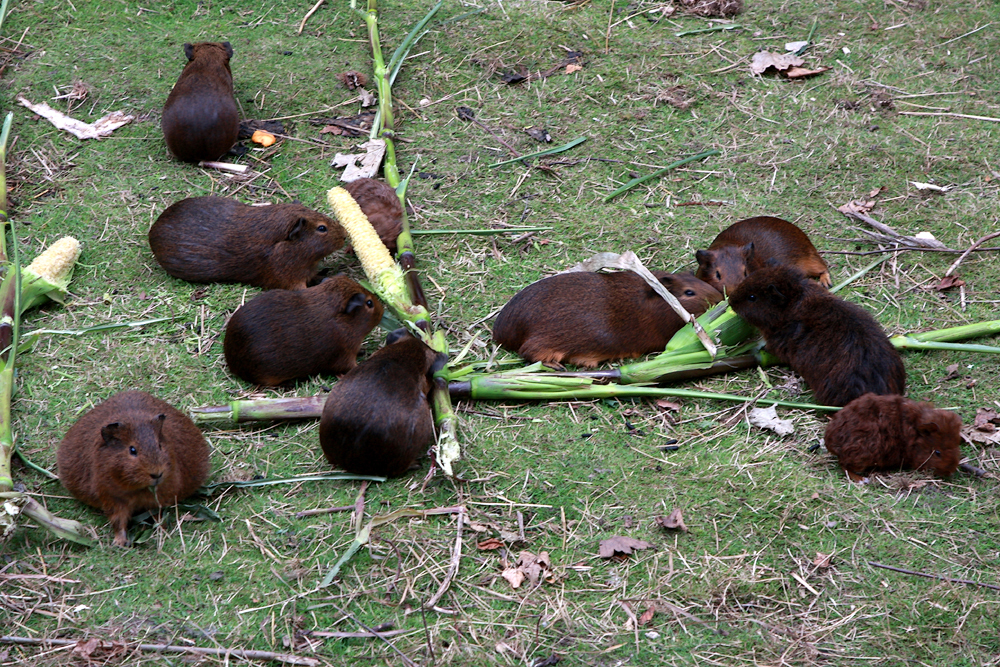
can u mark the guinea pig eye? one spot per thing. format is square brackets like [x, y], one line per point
[752, 297]
[718, 275]
[689, 292]
[369, 303]
[321, 229]
[131, 450]
[937, 453]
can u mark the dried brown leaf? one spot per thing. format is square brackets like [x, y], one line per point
[857, 206]
[621, 546]
[802, 72]
[952, 372]
[514, 576]
[490, 544]
[674, 521]
[647, 615]
[668, 405]
[949, 282]
[573, 67]
[822, 560]
[765, 60]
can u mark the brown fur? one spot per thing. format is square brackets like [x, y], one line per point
[894, 433]
[96, 465]
[284, 335]
[214, 239]
[200, 120]
[381, 206]
[838, 348]
[585, 318]
[747, 245]
[377, 419]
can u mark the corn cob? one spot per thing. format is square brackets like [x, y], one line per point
[48, 276]
[386, 277]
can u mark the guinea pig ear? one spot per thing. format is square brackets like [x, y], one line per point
[440, 361]
[748, 251]
[356, 301]
[189, 51]
[395, 336]
[157, 423]
[111, 433]
[929, 427]
[229, 49]
[297, 230]
[703, 257]
[775, 294]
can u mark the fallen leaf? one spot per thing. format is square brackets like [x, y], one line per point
[539, 134]
[985, 419]
[490, 544]
[983, 436]
[822, 560]
[361, 165]
[573, 67]
[927, 236]
[802, 72]
[857, 206]
[368, 98]
[877, 191]
[952, 372]
[768, 418]
[674, 521]
[332, 129]
[514, 576]
[531, 567]
[949, 282]
[765, 60]
[795, 46]
[668, 405]
[647, 615]
[621, 545]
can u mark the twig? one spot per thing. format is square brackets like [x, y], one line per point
[168, 648]
[224, 166]
[359, 505]
[456, 556]
[971, 469]
[329, 634]
[892, 233]
[308, 14]
[971, 32]
[328, 510]
[466, 114]
[948, 113]
[933, 576]
[961, 258]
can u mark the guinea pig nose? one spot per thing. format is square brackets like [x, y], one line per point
[157, 477]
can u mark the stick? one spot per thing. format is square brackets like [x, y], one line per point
[224, 166]
[948, 113]
[933, 576]
[971, 469]
[889, 231]
[456, 556]
[356, 635]
[168, 648]
[328, 510]
[951, 269]
[308, 14]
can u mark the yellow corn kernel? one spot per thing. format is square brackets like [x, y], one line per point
[56, 263]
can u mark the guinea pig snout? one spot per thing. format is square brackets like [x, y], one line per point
[155, 478]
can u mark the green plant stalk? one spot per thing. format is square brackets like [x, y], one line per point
[547, 151]
[477, 232]
[659, 172]
[261, 409]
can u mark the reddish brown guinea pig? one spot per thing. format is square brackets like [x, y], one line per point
[894, 433]
[381, 206]
[377, 419]
[200, 120]
[838, 348]
[284, 335]
[214, 239]
[585, 318]
[132, 452]
[747, 245]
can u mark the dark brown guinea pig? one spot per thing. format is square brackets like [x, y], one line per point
[132, 452]
[200, 120]
[381, 206]
[838, 348]
[894, 433]
[283, 335]
[377, 419]
[747, 245]
[214, 239]
[585, 318]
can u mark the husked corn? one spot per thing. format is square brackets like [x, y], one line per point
[56, 263]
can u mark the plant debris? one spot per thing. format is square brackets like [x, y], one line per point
[531, 567]
[676, 96]
[101, 127]
[719, 8]
[768, 418]
[353, 80]
[248, 127]
[673, 521]
[573, 62]
[536, 133]
[361, 165]
[983, 429]
[949, 282]
[765, 60]
[348, 126]
[621, 546]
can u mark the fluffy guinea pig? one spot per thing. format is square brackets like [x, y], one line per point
[585, 318]
[747, 245]
[214, 239]
[838, 348]
[377, 419]
[381, 206]
[894, 433]
[132, 452]
[283, 335]
[200, 120]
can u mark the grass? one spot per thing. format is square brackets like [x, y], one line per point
[759, 507]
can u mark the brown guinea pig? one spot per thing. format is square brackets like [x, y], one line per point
[377, 419]
[283, 335]
[381, 206]
[894, 433]
[838, 348]
[132, 452]
[585, 318]
[747, 245]
[214, 239]
[200, 120]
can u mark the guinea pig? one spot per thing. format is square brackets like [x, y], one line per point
[377, 419]
[214, 239]
[747, 245]
[200, 120]
[894, 433]
[381, 206]
[283, 335]
[132, 452]
[838, 348]
[585, 318]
